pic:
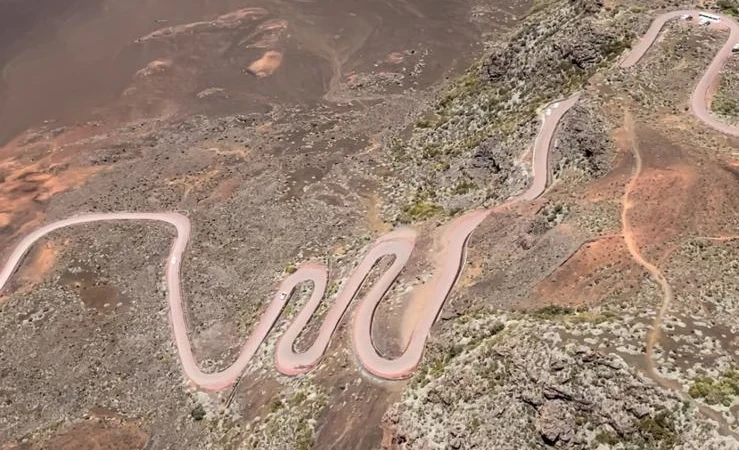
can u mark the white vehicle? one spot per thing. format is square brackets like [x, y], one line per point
[283, 295]
[709, 17]
[686, 17]
[735, 48]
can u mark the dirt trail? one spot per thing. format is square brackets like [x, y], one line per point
[630, 239]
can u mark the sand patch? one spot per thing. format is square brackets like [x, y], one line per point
[374, 218]
[394, 58]
[266, 65]
[155, 67]
[597, 269]
[25, 188]
[97, 434]
[226, 21]
[41, 263]
[266, 34]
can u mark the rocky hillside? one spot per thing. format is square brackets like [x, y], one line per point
[557, 378]
[470, 149]
[497, 382]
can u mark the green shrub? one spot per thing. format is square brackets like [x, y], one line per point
[716, 391]
[659, 431]
[552, 311]
[607, 437]
[198, 412]
[728, 7]
[421, 210]
[275, 405]
[725, 106]
[463, 187]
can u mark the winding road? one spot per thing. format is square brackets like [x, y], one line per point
[700, 100]
[399, 243]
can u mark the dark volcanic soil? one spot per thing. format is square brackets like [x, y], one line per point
[77, 60]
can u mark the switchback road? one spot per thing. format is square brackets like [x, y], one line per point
[398, 243]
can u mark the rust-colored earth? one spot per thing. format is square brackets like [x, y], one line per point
[681, 192]
[96, 433]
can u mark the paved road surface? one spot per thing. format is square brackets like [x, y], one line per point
[400, 243]
[700, 100]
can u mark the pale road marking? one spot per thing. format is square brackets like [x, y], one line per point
[399, 243]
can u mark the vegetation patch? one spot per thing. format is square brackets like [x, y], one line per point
[420, 210]
[442, 354]
[658, 432]
[720, 391]
[550, 312]
[290, 422]
[725, 106]
[463, 187]
[728, 7]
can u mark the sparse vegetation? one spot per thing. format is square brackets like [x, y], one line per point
[728, 7]
[615, 46]
[550, 312]
[275, 405]
[420, 210]
[333, 289]
[658, 431]
[463, 187]
[725, 106]
[198, 412]
[463, 86]
[720, 391]
[529, 381]
[290, 422]
[607, 437]
[437, 362]
[593, 317]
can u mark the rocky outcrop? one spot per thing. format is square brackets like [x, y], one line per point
[525, 388]
[583, 143]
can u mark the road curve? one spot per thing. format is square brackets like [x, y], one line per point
[398, 243]
[700, 100]
[448, 265]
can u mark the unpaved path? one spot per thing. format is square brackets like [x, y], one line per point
[399, 243]
[656, 274]
[700, 101]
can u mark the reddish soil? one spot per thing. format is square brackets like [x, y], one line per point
[96, 433]
[28, 183]
[266, 65]
[596, 270]
[681, 192]
[42, 260]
